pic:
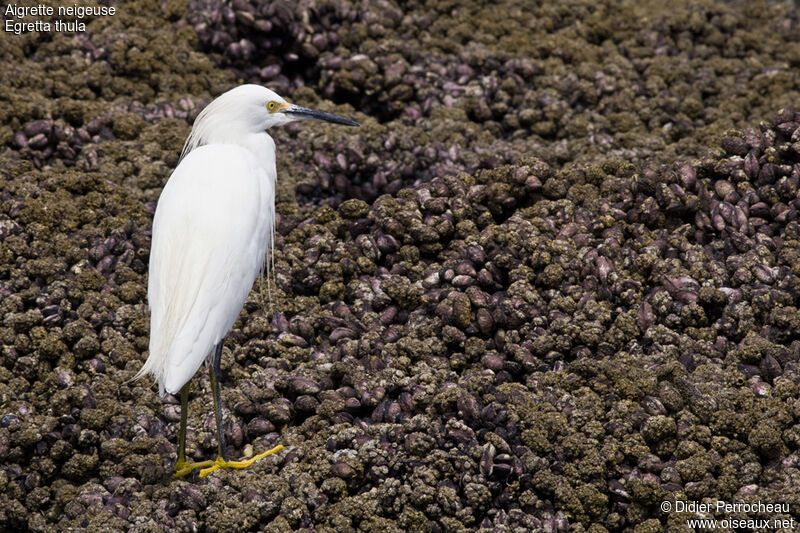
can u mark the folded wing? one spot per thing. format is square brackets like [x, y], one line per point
[211, 232]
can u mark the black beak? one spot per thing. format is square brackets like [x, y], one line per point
[304, 113]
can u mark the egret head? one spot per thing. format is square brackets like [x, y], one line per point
[246, 110]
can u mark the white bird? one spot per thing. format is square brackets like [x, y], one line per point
[212, 230]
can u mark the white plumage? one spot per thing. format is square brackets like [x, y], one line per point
[212, 231]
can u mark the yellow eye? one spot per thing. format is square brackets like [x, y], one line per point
[272, 105]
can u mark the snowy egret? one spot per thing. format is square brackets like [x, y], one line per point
[212, 230]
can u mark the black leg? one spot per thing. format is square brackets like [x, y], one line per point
[215, 374]
[182, 434]
[183, 468]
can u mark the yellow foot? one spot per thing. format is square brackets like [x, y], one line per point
[210, 466]
[183, 468]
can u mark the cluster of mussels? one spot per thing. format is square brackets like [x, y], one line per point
[522, 346]
[457, 334]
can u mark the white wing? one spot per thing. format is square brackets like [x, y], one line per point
[211, 231]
